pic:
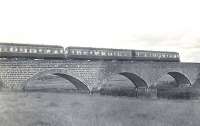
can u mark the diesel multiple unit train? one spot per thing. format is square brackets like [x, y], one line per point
[13, 50]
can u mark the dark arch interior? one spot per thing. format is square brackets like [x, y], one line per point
[180, 79]
[56, 82]
[79, 85]
[137, 81]
[173, 79]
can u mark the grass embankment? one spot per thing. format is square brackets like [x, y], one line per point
[63, 109]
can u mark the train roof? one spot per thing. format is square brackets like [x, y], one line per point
[34, 45]
[120, 49]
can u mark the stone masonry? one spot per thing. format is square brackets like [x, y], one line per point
[16, 74]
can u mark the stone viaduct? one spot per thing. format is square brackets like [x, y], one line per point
[88, 75]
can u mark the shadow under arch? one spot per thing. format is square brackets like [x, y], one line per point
[135, 79]
[76, 82]
[173, 80]
[180, 78]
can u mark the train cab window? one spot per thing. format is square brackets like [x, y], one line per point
[0, 49]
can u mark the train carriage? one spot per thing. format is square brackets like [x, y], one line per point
[30, 51]
[13, 50]
[119, 54]
[97, 53]
[155, 55]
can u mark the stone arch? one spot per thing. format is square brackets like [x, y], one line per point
[126, 84]
[77, 82]
[137, 80]
[180, 78]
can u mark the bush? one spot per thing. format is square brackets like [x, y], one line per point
[118, 92]
[178, 93]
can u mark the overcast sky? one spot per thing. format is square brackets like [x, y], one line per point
[170, 25]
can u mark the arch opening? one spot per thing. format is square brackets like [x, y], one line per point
[180, 79]
[173, 79]
[135, 79]
[173, 85]
[55, 82]
[77, 83]
[124, 84]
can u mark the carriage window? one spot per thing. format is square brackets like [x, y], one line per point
[56, 52]
[33, 51]
[40, 50]
[61, 51]
[11, 49]
[21, 49]
[25, 50]
[85, 53]
[91, 52]
[96, 52]
[48, 51]
[78, 52]
[15, 49]
[103, 53]
[109, 54]
[73, 52]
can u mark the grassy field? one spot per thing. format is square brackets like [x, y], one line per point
[64, 109]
